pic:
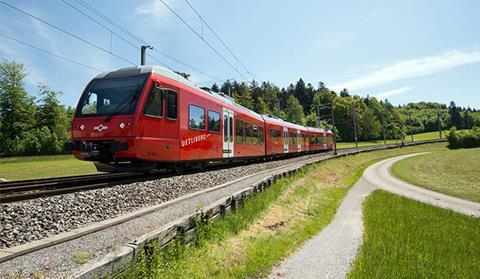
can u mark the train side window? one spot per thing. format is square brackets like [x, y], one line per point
[196, 117]
[278, 133]
[154, 105]
[248, 132]
[272, 133]
[239, 132]
[255, 135]
[172, 100]
[213, 121]
[261, 135]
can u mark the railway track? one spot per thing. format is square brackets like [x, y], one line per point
[12, 191]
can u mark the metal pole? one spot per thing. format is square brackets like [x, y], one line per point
[403, 134]
[439, 125]
[355, 125]
[333, 131]
[142, 54]
[318, 114]
[229, 93]
[383, 128]
[411, 126]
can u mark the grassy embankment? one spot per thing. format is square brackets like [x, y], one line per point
[409, 239]
[453, 172]
[270, 226]
[15, 168]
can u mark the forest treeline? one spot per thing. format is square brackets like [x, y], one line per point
[33, 126]
[304, 104]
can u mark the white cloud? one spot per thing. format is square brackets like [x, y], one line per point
[41, 31]
[412, 68]
[393, 92]
[156, 11]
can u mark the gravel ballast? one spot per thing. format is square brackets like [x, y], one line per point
[26, 221]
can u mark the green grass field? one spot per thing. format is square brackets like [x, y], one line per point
[408, 138]
[270, 226]
[15, 168]
[453, 172]
[409, 239]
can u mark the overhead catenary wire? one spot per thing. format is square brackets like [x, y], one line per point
[51, 53]
[222, 42]
[112, 31]
[67, 32]
[123, 29]
[205, 41]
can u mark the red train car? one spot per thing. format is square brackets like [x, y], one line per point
[144, 117]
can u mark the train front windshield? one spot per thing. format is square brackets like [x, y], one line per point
[111, 96]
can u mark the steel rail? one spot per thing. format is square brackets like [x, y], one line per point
[13, 191]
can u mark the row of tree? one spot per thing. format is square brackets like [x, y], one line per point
[308, 105]
[28, 125]
[41, 125]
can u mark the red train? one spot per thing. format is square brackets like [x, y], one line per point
[147, 117]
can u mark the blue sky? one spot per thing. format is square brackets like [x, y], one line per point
[405, 51]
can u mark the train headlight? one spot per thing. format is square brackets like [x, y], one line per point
[82, 127]
[122, 125]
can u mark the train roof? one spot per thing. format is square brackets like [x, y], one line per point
[155, 69]
[279, 121]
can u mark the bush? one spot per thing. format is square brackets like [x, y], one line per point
[464, 139]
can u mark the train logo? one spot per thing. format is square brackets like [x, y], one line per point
[100, 128]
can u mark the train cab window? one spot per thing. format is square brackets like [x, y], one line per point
[196, 117]
[239, 132]
[261, 136]
[248, 132]
[213, 121]
[90, 106]
[255, 135]
[154, 105]
[171, 100]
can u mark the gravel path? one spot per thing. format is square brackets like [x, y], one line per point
[379, 176]
[330, 253]
[26, 221]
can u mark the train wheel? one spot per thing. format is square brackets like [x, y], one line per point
[179, 168]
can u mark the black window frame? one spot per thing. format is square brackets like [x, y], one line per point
[204, 124]
[238, 128]
[219, 121]
[248, 133]
[167, 94]
[160, 91]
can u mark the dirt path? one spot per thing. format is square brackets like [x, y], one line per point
[330, 253]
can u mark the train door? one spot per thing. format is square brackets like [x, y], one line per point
[299, 141]
[285, 140]
[324, 140]
[227, 133]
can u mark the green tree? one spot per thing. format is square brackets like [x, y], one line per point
[53, 115]
[243, 96]
[294, 110]
[17, 108]
[371, 126]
